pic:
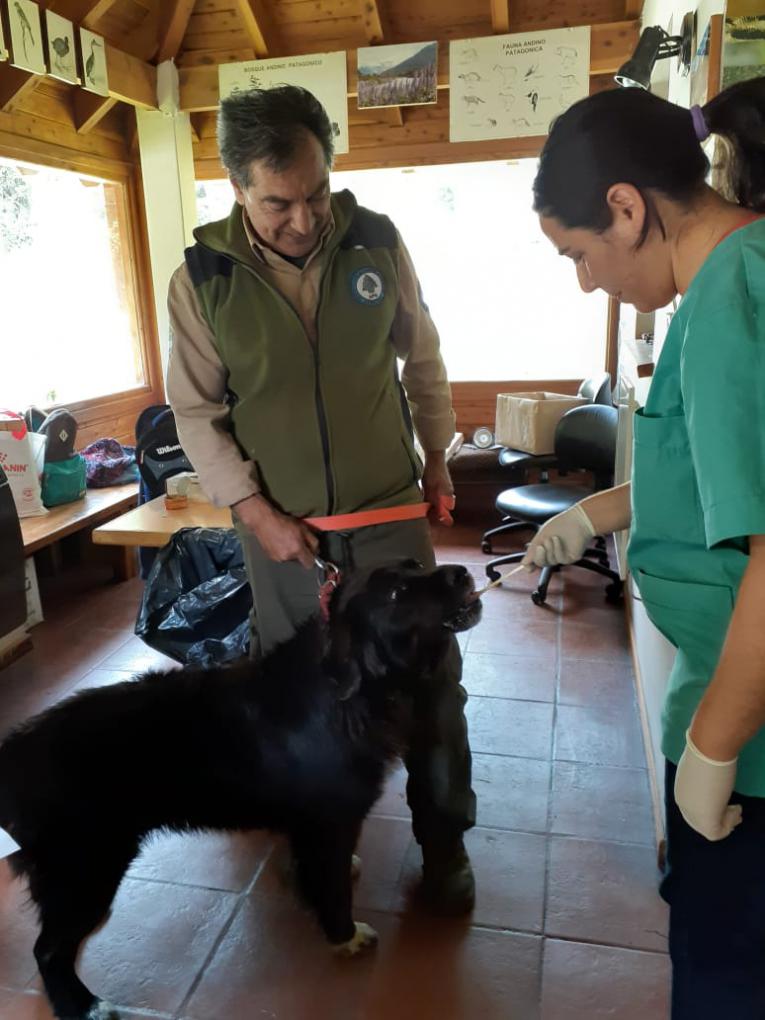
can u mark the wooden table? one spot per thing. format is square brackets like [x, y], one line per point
[94, 508]
[152, 525]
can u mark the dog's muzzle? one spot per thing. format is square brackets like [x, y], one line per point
[468, 612]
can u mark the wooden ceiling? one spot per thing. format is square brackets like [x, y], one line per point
[199, 34]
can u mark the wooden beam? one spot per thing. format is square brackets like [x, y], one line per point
[376, 25]
[14, 85]
[173, 28]
[500, 16]
[97, 11]
[633, 8]
[259, 27]
[89, 109]
[131, 80]
[610, 45]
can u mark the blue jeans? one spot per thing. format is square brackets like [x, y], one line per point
[716, 895]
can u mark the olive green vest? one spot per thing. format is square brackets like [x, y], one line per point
[327, 425]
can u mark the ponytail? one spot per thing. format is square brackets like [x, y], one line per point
[737, 115]
[634, 137]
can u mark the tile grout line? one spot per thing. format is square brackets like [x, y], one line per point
[550, 786]
[238, 906]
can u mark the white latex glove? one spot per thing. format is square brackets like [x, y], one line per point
[8, 845]
[562, 539]
[702, 791]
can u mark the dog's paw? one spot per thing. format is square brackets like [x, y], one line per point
[101, 1010]
[364, 938]
[355, 867]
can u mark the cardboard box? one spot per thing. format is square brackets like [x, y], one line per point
[34, 605]
[527, 421]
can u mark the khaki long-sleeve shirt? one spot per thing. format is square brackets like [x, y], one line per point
[197, 378]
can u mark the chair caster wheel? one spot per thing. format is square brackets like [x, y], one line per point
[538, 598]
[614, 592]
[492, 574]
[486, 547]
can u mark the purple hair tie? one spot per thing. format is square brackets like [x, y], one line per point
[700, 125]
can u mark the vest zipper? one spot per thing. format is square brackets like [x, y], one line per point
[320, 412]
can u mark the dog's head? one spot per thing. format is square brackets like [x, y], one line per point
[397, 621]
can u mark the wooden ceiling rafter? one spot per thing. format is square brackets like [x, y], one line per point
[500, 16]
[376, 24]
[260, 28]
[175, 21]
[633, 8]
[89, 109]
[98, 10]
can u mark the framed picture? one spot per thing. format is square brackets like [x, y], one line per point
[323, 74]
[705, 64]
[4, 54]
[62, 56]
[513, 86]
[743, 46]
[94, 74]
[26, 36]
[400, 75]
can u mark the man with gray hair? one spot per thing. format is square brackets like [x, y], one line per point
[288, 319]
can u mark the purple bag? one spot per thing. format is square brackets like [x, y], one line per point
[108, 462]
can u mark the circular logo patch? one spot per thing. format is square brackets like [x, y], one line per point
[367, 286]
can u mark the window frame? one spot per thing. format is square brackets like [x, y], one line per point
[113, 414]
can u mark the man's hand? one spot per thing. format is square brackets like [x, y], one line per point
[702, 791]
[437, 487]
[282, 538]
[562, 539]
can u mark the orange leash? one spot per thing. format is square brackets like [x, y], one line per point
[383, 515]
[365, 518]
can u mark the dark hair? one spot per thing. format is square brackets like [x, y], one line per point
[632, 136]
[268, 125]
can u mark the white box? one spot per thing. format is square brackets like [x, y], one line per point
[527, 421]
[34, 605]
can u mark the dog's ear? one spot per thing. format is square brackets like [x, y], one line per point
[340, 663]
[348, 661]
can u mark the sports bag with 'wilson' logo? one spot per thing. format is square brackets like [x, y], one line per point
[158, 450]
[159, 456]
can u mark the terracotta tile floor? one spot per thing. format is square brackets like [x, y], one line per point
[568, 923]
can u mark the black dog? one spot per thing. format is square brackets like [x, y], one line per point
[298, 745]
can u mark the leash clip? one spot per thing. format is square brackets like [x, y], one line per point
[331, 579]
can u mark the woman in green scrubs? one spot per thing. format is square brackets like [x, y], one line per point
[621, 191]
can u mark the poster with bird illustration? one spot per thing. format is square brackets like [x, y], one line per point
[26, 37]
[94, 76]
[512, 86]
[62, 57]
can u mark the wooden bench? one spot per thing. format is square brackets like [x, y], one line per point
[96, 506]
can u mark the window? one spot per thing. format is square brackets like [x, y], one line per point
[67, 288]
[506, 305]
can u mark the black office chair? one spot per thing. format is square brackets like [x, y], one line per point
[585, 440]
[596, 389]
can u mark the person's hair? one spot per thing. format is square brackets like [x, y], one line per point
[627, 135]
[269, 125]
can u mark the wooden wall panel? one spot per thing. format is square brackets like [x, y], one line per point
[475, 403]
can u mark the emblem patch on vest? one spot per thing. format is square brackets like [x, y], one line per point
[367, 286]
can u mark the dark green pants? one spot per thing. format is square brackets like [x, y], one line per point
[438, 756]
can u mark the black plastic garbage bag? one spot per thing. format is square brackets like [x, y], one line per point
[197, 599]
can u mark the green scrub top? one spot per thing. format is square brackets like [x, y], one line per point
[698, 477]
